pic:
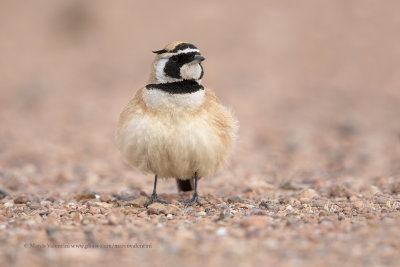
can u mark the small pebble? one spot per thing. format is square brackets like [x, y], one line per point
[152, 211]
[255, 212]
[77, 217]
[112, 219]
[50, 199]
[43, 213]
[3, 193]
[142, 214]
[34, 207]
[88, 219]
[222, 206]
[308, 193]
[373, 190]
[382, 200]
[8, 204]
[51, 232]
[34, 199]
[188, 209]
[87, 195]
[20, 200]
[235, 199]
[266, 204]
[319, 203]
[138, 203]
[358, 204]
[221, 231]
[221, 217]
[130, 196]
[105, 197]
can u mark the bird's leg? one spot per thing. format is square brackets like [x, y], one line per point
[154, 197]
[195, 199]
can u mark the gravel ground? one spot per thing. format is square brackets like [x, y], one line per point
[315, 178]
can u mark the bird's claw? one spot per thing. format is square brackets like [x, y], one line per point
[195, 200]
[154, 198]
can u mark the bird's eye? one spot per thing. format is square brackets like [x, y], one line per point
[174, 59]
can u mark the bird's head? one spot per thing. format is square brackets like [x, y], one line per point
[176, 62]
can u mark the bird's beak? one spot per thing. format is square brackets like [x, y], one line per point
[198, 59]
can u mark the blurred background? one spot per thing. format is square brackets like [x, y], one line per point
[315, 86]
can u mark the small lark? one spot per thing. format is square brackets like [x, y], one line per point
[175, 127]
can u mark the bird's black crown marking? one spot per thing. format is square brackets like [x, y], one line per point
[181, 46]
[183, 87]
[162, 51]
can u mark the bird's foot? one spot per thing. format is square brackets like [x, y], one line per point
[154, 198]
[195, 200]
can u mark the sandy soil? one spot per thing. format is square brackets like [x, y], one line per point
[315, 179]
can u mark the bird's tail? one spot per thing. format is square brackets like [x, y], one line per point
[185, 185]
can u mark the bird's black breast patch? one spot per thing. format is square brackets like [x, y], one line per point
[183, 87]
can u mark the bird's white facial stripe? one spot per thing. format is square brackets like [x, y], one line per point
[160, 67]
[188, 50]
[184, 51]
[156, 98]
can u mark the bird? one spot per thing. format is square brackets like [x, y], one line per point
[174, 127]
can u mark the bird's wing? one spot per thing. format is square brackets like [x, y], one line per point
[136, 104]
[222, 117]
